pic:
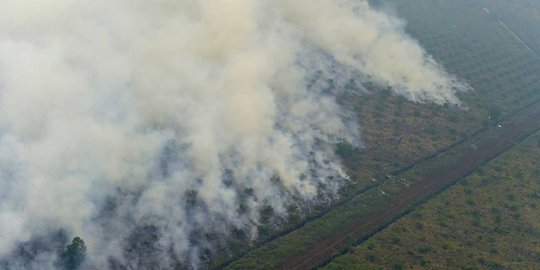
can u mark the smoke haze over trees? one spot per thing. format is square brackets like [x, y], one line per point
[151, 123]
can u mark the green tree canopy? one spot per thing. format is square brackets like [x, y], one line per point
[74, 254]
[344, 150]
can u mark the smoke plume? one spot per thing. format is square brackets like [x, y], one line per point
[181, 118]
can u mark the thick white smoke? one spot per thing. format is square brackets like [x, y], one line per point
[182, 116]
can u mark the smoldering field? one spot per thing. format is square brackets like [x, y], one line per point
[182, 118]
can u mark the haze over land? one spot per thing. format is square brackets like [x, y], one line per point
[183, 118]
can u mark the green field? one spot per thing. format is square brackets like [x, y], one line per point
[470, 44]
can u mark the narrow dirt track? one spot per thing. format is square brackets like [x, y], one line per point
[513, 131]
